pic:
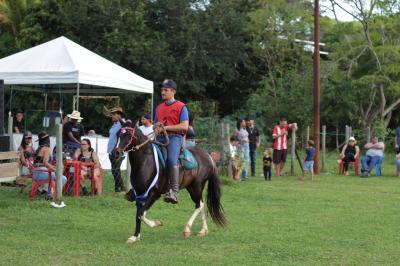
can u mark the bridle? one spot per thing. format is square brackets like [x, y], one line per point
[150, 138]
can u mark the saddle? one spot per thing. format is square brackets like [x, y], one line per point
[186, 158]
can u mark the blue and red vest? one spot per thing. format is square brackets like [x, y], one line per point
[169, 115]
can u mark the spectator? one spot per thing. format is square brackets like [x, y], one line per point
[92, 133]
[397, 140]
[308, 164]
[350, 153]
[147, 126]
[116, 161]
[18, 124]
[191, 140]
[243, 137]
[254, 143]
[267, 164]
[42, 161]
[398, 164]
[234, 159]
[280, 136]
[26, 153]
[73, 131]
[374, 155]
[88, 155]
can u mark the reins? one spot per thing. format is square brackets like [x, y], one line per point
[150, 138]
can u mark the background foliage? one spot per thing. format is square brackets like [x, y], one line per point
[230, 58]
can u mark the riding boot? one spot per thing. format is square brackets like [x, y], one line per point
[172, 195]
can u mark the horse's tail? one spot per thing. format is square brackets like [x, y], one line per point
[214, 200]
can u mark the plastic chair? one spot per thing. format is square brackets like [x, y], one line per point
[91, 177]
[36, 183]
[378, 167]
[355, 166]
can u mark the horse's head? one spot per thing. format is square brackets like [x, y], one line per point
[128, 138]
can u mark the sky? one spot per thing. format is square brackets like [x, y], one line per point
[342, 15]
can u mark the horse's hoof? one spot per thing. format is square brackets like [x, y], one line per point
[186, 234]
[133, 239]
[158, 223]
[202, 233]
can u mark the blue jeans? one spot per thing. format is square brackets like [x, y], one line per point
[42, 175]
[173, 149]
[73, 145]
[368, 163]
[253, 156]
[245, 156]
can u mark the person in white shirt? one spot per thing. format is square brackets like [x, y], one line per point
[147, 126]
[374, 154]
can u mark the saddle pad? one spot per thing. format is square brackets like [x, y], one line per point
[160, 155]
[188, 160]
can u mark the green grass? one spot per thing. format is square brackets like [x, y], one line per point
[335, 220]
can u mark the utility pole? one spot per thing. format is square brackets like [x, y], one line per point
[316, 91]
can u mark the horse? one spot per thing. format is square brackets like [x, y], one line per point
[146, 189]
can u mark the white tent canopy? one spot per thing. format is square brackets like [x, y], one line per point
[61, 61]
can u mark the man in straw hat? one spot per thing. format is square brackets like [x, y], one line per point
[73, 131]
[116, 117]
[174, 116]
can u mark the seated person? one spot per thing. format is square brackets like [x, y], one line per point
[147, 126]
[374, 153]
[42, 160]
[73, 131]
[26, 153]
[87, 154]
[350, 153]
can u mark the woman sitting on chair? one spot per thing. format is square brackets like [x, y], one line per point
[350, 153]
[26, 153]
[88, 155]
[42, 160]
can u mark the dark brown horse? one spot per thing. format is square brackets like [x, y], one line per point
[145, 190]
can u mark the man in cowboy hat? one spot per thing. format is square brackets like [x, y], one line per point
[174, 116]
[116, 117]
[73, 131]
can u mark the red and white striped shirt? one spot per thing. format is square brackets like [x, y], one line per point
[281, 142]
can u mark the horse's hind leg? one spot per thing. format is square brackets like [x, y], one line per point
[187, 229]
[195, 194]
[204, 228]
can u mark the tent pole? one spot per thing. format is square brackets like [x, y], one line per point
[45, 101]
[151, 111]
[2, 89]
[77, 97]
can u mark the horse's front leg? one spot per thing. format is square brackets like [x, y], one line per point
[136, 236]
[151, 223]
[155, 222]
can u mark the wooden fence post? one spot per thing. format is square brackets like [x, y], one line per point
[293, 153]
[323, 157]
[347, 135]
[10, 130]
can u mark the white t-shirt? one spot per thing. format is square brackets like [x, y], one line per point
[376, 152]
[146, 130]
[232, 150]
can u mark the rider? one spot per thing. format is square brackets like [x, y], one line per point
[173, 116]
